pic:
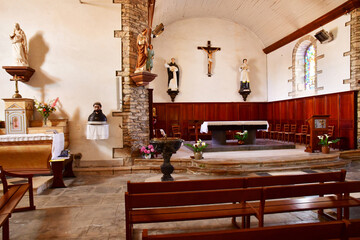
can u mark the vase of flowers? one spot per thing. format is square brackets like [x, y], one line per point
[45, 109]
[147, 151]
[197, 148]
[324, 142]
[241, 136]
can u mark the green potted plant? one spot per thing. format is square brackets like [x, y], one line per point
[241, 136]
[324, 142]
[197, 148]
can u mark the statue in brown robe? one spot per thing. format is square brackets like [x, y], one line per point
[142, 45]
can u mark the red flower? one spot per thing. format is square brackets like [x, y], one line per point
[44, 110]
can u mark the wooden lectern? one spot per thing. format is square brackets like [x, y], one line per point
[318, 126]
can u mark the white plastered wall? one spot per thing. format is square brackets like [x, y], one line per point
[181, 39]
[334, 66]
[75, 56]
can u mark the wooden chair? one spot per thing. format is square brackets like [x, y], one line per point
[281, 134]
[302, 134]
[274, 133]
[331, 131]
[176, 130]
[194, 129]
[291, 133]
[266, 133]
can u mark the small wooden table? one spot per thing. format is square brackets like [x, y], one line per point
[57, 167]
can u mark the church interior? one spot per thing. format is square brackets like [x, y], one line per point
[180, 119]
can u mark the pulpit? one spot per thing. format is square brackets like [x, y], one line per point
[318, 126]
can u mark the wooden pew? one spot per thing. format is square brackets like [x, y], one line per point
[309, 231]
[140, 190]
[12, 194]
[234, 183]
[183, 206]
[281, 199]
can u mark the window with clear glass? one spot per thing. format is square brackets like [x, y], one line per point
[310, 68]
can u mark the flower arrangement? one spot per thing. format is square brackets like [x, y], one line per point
[199, 146]
[241, 136]
[46, 108]
[324, 140]
[147, 150]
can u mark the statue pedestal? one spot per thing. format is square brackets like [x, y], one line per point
[244, 93]
[172, 94]
[142, 78]
[20, 73]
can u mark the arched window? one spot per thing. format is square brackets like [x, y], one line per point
[304, 68]
[310, 68]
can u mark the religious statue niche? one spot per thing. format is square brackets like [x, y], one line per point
[20, 70]
[97, 127]
[209, 51]
[173, 79]
[244, 80]
[144, 62]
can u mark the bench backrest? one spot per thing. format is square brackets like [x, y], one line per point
[180, 186]
[169, 199]
[233, 183]
[354, 228]
[264, 181]
[308, 231]
[310, 190]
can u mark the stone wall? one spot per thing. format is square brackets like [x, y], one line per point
[355, 60]
[135, 99]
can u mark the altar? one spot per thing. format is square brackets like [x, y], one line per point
[30, 151]
[218, 129]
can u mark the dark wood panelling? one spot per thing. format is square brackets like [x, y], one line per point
[340, 106]
[319, 105]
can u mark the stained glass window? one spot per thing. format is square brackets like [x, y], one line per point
[310, 68]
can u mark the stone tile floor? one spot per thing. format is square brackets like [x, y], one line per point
[92, 207]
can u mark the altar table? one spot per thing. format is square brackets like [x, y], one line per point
[218, 129]
[30, 151]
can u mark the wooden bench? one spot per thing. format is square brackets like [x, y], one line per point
[12, 196]
[309, 231]
[143, 192]
[233, 183]
[184, 206]
[281, 199]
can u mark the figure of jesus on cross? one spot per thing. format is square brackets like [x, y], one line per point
[209, 50]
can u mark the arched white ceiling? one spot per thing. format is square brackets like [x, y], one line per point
[270, 20]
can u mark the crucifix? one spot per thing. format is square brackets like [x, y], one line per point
[209, 50]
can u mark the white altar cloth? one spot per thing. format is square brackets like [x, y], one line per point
[94, 132]
[58, 140]
[205, 125]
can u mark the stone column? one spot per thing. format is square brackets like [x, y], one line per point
[354, 54]
[135, 99]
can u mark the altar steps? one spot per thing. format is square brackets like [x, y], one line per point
[201, 169]
[224, 163]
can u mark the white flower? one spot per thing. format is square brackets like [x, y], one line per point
[326, 135]
[245, 131]
[238, 133]
[321, 137]
[203, 144]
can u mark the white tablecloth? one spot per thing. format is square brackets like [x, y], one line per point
[94, 132]
[57, 144]
[204, 126]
